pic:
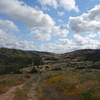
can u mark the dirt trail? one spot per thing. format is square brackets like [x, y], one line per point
[32, 95]
[10, 94]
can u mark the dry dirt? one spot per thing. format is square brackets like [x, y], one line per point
[10, 94]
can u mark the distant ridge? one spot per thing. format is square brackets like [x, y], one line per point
[84, 54]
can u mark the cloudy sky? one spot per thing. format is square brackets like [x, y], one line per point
[57, 26]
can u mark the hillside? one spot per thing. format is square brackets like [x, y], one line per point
[12, 60]
[85, 54]
[82, 59]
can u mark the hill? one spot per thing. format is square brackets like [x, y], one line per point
[11, 60]
[82, 59]
[85, 54]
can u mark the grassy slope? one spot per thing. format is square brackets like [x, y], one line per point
[71, 86]
[12, 60]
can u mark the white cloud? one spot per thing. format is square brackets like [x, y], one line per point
[58, 30]
[86, 42]
[28, 15]
[60, 20]
[7, 24]
[92, 35]
[69, 5]
[10, 41]
[60, 13]
[87, 22]
[42, 37]
[44, 34]
[49, 2]
[65, 41]
[64, 45]
[51, 47]
[33, 18]
[58, 47]
[66, 4]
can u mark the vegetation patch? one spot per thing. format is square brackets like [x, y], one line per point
[72, 85]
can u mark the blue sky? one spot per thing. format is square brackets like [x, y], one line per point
[57, 26]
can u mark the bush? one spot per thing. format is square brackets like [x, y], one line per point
[34, 70]
[57, 69]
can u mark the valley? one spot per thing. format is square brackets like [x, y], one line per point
[33, 75]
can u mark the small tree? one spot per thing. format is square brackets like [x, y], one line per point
[34, 70]
[38, 61]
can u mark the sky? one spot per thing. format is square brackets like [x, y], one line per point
[57, 26]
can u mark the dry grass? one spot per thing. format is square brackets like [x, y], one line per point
[9, 81]
[72, 85]
[21, 94]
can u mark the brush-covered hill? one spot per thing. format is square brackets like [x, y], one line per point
[85, 54]
[82, 59]
[48, 57]
[11, 60]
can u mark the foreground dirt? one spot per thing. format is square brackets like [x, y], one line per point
[32, 94]
[10, 94]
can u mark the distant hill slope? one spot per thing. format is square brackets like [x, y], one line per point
[11, 60]
[85, 54]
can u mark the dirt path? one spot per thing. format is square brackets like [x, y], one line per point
[32, 95]
[10, 94]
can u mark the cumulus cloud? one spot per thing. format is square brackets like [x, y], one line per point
[86, 42]
[66, 4]
[49, 2]
[41, 34]
[42, 37]
[10, 41]
[43, 24]
[69, 5]
[43, 27]
[87, 22]
[58, 47]
[51, 47]
[60, 13]
[64, 45]
[65, 41]
[60, 20]
[58, 30]
[44, 34]
[7, 25]
[30, 16]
